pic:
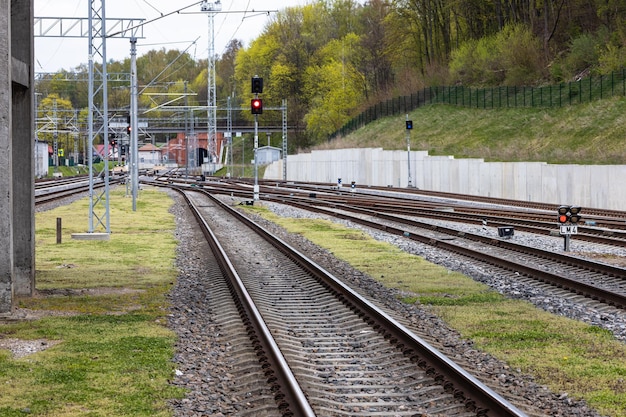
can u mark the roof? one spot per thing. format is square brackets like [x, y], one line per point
[149, 148]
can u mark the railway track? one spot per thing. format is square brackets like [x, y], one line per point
[594, 280]
[598, 226]
[598, 281]
[346, 357]
[606, 227]
[53, 190]
[616, 217]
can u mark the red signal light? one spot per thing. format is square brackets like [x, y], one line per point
[568, 214]
[256, 106]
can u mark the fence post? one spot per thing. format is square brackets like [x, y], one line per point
[507, 95]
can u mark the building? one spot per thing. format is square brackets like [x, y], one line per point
[268, 154]
[42, 161]
[149, 156]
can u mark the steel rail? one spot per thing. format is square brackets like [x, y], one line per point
[472, 198]
[607, 237]
[615, 238]
[291, 400]
[477, 396]
[613, 219]
[47, 197]
[558, 257]
[590, 291]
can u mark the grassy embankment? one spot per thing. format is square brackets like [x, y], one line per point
[593, 133]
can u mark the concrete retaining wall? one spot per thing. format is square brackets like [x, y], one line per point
[599, 186]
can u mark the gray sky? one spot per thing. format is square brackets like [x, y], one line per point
[238, 19]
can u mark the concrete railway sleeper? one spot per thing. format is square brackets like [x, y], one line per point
[347, 356]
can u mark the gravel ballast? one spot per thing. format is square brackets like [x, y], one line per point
[517, 384]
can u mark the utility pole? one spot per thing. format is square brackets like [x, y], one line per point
[284, 111]
[55, 136]
[134, 134]
[256, 162]
[409, 127]
[229, 133]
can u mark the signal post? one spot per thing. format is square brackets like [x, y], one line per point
[409, 126]
[256, 107]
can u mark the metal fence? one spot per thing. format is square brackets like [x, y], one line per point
[563, 94]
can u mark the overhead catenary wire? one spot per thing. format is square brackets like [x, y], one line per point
[168, 66]
[163, 15]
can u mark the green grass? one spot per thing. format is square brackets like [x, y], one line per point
[566, 355]
[70, 171]
[115, 353]
[591, 133]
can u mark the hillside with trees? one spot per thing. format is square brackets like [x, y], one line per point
[331, 59]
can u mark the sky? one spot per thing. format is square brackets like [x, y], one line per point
[188, 29]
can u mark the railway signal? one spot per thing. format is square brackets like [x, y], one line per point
[257, 85]
[574, 214]
[256, 106]
[409, 127]
[128, 125]
[563, 214]
[568, 218]
[568, 214]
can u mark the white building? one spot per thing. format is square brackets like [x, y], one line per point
[41, 159]
[268, 154]
[149, 156]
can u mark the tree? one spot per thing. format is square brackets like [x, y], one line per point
[57, 122]
[373, 57]
[333, 88]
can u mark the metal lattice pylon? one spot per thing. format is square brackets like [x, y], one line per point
[98, 204]
[212, 9]
[98, 118]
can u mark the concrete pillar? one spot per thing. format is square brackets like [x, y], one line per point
[6, 188]
[17, 199]
[23, 144]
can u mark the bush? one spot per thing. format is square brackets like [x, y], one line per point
[520, 55]
[511, 57]
[583, 54]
